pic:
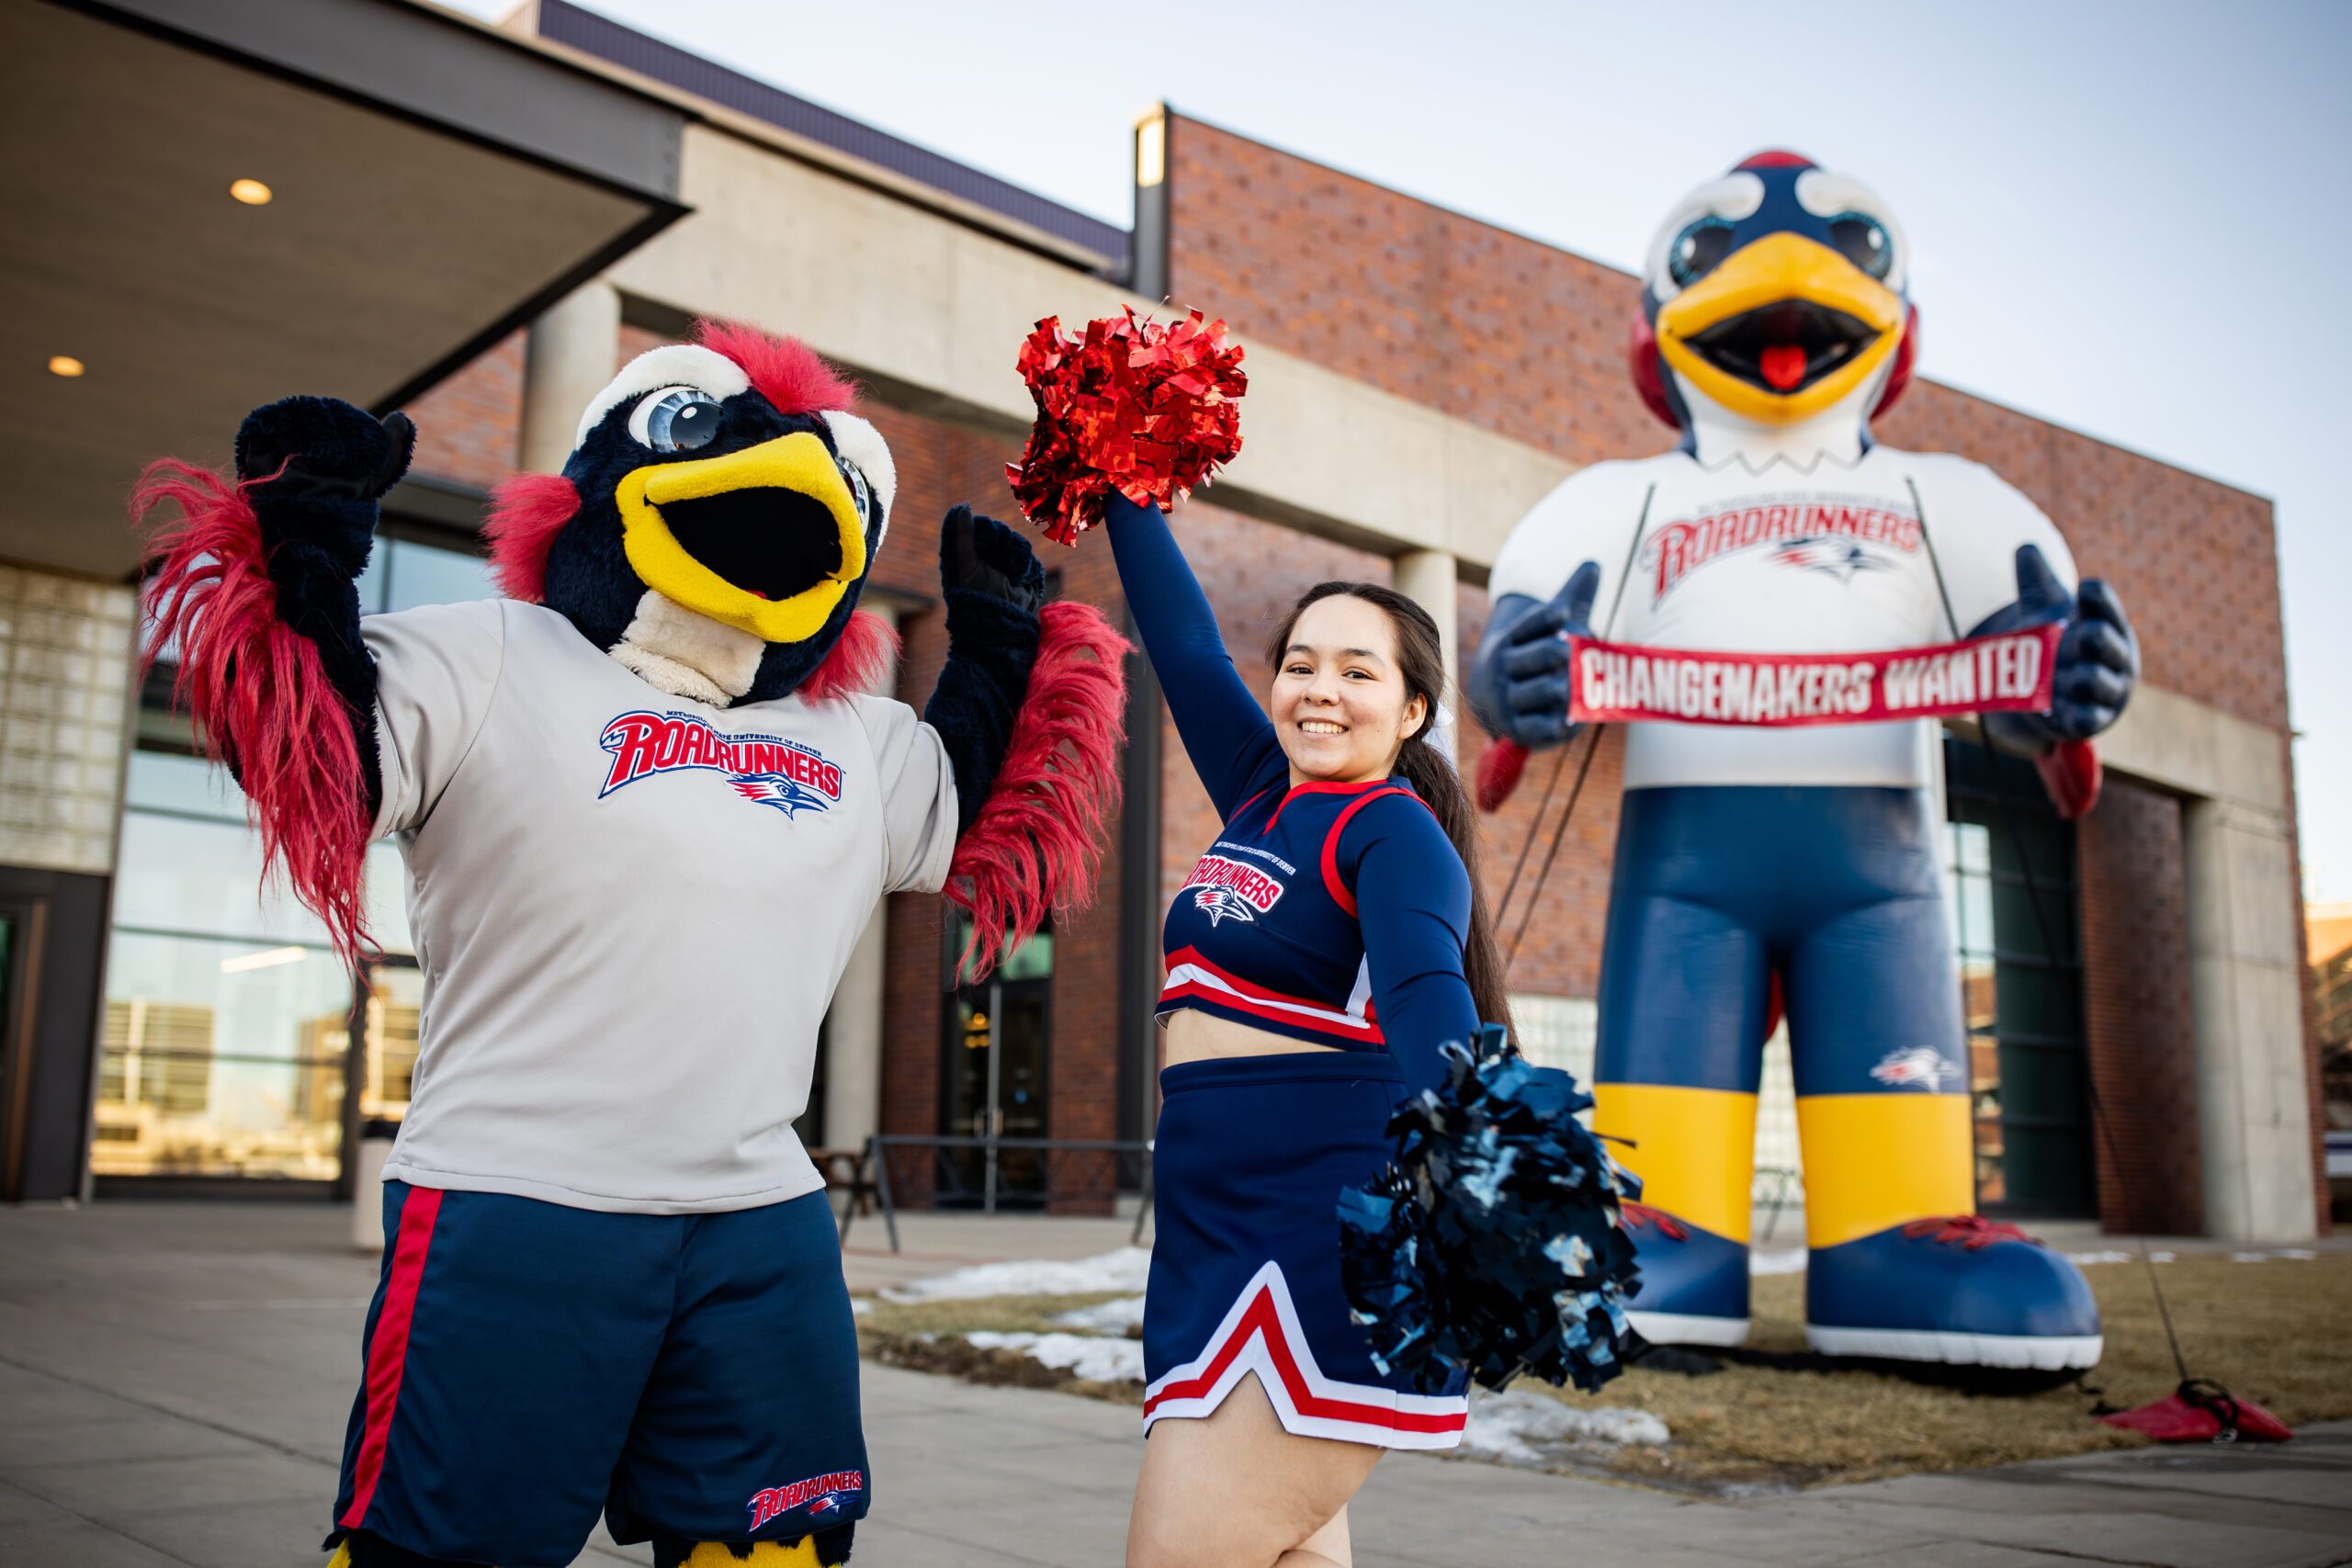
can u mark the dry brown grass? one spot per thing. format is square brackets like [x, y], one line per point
[2278, 1333]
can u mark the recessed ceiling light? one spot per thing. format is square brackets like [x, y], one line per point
[65, 365]
[252, 193]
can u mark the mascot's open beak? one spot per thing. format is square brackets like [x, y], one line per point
[1781, 330]
[766, 540]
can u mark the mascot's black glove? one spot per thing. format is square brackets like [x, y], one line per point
[2099, 656]
[317, 467]
[995, 587]
[1519, 682]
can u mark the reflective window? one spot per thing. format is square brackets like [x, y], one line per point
[226, 1046]
[2009, 882]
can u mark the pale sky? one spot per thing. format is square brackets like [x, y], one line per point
[2130, 219]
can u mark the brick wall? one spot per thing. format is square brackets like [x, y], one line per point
[469, 427]
[2135, 996]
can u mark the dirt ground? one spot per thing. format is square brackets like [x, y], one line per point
[2277, 1332]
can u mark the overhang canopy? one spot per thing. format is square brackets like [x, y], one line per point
[434, 185]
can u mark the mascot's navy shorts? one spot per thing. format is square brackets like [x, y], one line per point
[530, 1366]
[1252, 1153]
[1839, 891]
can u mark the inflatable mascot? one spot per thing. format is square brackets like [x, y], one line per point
[1787, 606]
[647, 809]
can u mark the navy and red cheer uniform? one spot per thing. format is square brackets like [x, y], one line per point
[1334, 913]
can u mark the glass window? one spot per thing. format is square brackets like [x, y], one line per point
[228, 1016]
[2009, 871]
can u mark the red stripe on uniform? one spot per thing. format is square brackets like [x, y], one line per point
[1340, 895]
[1260, 1318]
[388, 1351]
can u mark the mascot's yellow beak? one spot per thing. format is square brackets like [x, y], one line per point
[766, 540]
[1781, 330]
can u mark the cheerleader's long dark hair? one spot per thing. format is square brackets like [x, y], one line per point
[1420, 659]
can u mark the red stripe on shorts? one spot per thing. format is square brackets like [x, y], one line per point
[388, 1351]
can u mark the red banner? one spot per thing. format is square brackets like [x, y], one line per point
[1617, 682]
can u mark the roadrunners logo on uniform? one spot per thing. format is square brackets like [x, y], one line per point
[821, 1495]
[1922, 1066]
[1840, 559]
[767, 769]
[1226, 889]
[1836, 528]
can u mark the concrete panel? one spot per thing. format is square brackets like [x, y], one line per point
[931, 314]
[1428, 578]
[2254, 1112]
[570, 360]
[2192, 747]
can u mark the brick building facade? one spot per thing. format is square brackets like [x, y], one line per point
[1488, 331]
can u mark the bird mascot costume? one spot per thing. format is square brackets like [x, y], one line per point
[1788, 606]
[647, 806]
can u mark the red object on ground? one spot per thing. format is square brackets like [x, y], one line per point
[1499, 765]
[1133, 406]
[2198, 1412]
[2070, 775]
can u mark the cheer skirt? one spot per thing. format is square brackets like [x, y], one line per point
[1247, 1171]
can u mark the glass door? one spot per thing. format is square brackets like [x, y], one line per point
[994, 1080]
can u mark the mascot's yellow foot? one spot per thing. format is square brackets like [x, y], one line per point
[342, 1558]
[829, 1550]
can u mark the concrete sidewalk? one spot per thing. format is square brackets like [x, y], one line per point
[174, 1380]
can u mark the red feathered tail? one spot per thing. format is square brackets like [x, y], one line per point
[259, 694]
[1038, 838]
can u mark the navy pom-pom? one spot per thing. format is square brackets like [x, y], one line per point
[1493, 1242]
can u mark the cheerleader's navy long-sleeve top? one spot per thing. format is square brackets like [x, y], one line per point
[1334, 913]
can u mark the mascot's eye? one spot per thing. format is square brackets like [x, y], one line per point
[856, 484]
[680, 420]
[1862, 240]
[1697, 250]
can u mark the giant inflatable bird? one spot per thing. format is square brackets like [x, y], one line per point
[1761, 863]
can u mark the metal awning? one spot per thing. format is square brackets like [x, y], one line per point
[434, 185]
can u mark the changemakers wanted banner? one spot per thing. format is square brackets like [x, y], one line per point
[2007, 672]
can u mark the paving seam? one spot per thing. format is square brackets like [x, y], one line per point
[255, 1438]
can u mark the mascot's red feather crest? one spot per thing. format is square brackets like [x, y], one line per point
[784, 370]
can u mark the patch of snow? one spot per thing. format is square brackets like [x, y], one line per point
[1113, 1318]
[1780, 1261]
[2281, 1254]
[1508, 1427]
[1126, 1270]
[2249, 1258]
[2160, 1258]
[860, 1305]
[2081, 1258]
[2297, 1254]
[1095, 1359]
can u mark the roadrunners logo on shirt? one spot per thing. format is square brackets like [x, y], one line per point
[768, 769]
[823, 1495]
[1922, 1066]
[1825, 535]
[1840, 559]
[1226, 889]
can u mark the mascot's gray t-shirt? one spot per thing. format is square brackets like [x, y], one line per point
[630, 908]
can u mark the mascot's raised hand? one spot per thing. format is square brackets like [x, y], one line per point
[1519, 682]
[2099, 656]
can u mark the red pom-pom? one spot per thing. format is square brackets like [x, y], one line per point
[1132, 406]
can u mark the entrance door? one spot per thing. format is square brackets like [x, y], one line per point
[994, 1080]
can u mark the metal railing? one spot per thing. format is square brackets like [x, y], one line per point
[1049, 1159]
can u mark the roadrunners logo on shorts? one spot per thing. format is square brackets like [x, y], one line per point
[1922, 1066]
[1226, 889]
[823, 1495]
[767, 769]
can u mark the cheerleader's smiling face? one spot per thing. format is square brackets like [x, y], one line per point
[1340, 701]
